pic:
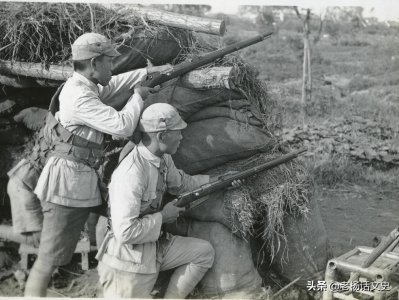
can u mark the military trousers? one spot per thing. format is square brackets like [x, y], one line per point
[191, 257]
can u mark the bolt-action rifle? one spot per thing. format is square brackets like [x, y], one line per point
[157, 78]
[189, 199]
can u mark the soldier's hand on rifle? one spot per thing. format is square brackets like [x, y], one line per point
[236, 183]
[35, 237]
[144, 91]
[171, 212]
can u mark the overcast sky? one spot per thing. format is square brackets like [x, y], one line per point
[382, 9]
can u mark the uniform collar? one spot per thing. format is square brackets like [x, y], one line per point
[79, 77]
[148, 155]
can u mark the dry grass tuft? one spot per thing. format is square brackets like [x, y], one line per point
[43, 32]
[258, 207]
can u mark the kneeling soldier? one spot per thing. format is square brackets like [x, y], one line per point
[136, 249]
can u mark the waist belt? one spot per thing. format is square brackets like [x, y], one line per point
[65, 144]
[91, 157]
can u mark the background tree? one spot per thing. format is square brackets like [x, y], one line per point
[306, 71]
[185, 9]
[264, 15]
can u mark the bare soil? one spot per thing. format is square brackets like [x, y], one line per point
[354, 215]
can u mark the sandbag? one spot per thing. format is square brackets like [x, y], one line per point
[307, 248]
[211, 210]
[233, 274]
[244, 116]
[189, 101]
[212, 142]
[162, 49]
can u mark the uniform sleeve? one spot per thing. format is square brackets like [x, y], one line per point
[179, 182]
[125, 194]
[120, 88]
[90, 111]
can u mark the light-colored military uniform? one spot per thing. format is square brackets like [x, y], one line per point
[67, 181]
[136, 249]
[68, 184]
[83, 113]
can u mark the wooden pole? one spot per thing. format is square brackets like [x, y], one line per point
[308, 63]
[306, 67]
[211, 78]
[206, 25]
[18, 81]
[36, 70]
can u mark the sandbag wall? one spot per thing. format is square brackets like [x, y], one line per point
[222, 125]
[221, 128]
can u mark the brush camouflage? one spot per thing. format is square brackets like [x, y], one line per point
[91, 45]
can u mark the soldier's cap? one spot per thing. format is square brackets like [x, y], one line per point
[161, 117]
[90, 45]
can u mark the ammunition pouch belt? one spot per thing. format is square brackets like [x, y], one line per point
[39, 154]
[65, 144]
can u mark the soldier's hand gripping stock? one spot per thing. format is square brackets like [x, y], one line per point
[144, 91]
[235, 183]
[171, 212]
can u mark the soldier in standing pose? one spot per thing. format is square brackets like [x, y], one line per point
[68, 185]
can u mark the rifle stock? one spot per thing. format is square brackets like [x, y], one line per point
[185, 67]
[186, 198]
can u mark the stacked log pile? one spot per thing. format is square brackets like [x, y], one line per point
[369, 141]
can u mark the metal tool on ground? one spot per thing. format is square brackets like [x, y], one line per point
[375, 265]
[382, 247]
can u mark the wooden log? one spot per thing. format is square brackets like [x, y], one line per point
[36, 70]
[17, 81]
[48, 82]
[211, 78]
[205, 25]
[18, 75]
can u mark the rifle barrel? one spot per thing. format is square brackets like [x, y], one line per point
[211, 187]
[185, 67]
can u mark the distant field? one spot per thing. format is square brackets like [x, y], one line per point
[351, 126]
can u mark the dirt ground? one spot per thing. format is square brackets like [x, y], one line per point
[352, 215]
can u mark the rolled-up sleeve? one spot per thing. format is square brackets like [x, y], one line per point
[120, 88]
[90, 111]
[179, 182]
[125, 200]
